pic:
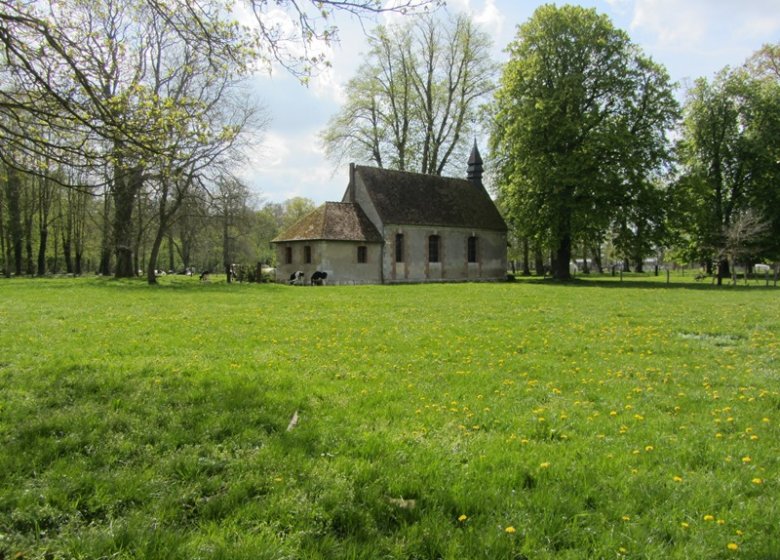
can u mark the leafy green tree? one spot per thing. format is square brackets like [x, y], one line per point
[579, 120]
[730, 154]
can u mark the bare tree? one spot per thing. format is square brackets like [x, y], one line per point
[414, 102]
[740, 239]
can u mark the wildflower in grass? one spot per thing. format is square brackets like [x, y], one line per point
[739, 533]
[544, 465]
[684, 525]
[732, 546]
[463, 518]
[721, 522]
[510, 530]
[613, 412]
[677, 478]
[648, 448]
[626, 518]
[709, 517]
[746, 459]
[758, 481]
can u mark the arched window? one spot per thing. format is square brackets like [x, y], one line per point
[472, 249]
[399, 247]
[433, 248]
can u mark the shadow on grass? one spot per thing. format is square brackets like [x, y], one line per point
[659, 283]
[166, 283]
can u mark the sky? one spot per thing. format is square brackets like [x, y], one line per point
[691, 38]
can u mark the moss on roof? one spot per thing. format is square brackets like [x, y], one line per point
[334, 221]
[405, 198]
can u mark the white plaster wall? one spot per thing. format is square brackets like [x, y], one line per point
[337, 258]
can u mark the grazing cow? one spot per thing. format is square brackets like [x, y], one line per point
[296, 278]
[318, 278]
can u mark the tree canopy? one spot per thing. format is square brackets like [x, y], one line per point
[730, 162]
[578, 129]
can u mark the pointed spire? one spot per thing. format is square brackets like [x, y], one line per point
[475, 165]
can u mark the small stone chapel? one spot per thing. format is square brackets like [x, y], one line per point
[396, 226]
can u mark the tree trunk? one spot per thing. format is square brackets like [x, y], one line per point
[526, 257]
[13, 195]
[171, 259]
[562, 258]
[151, 278]
[126, 190]
[44, 208]
[28, 240]
[4, 249]
[226, 244]
[66, 233]
[562, 255]
[597, 259]
[44, 238]
[104, 267]
[723, 270]
[538, 261]
[585, 267]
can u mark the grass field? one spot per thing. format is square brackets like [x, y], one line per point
[497, 421]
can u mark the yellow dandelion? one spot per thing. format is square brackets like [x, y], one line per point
[510, 530]
[709, 517]
[544, 465]
[649, 448]
[758, 481]
[739, 533]
[746, 459]
[626, 518]
[463, 518]
[684, 525]
[677, 478]
[732, 546]
[721, 521]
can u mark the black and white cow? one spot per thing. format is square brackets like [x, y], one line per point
[296, 278]
[318, 278]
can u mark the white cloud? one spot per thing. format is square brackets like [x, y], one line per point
[704, 24]
[490, 18]
[679, 24]
[292, 164]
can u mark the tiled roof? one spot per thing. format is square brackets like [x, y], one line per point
[415, 199]
[335, 221]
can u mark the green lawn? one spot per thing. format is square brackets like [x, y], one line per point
[527, 420]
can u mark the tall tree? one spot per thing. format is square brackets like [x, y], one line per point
[730, 156]
[414, 101]
[84, 71]
[579, 118]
